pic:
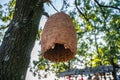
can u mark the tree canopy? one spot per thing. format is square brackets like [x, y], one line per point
[97, 23]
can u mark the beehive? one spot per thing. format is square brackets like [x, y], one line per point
[58, 39]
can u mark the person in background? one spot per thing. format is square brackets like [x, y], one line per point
[89, 77]
[69, 77]
[81, 77]
[96, 77]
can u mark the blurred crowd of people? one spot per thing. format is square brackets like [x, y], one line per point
[92, 77]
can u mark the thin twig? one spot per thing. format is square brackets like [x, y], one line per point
[53, 6]
[62, 5]
[111, 7]
[81, 11]
[100, 8]
[106, 6]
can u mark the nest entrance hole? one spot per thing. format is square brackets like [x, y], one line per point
[58, 53]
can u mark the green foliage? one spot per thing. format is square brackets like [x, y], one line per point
[6, 14]
[39, 34]
[97, 25]
[47, 67]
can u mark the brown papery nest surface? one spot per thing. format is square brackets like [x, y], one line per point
[58, 40]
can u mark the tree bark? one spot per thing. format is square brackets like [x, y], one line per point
[19, 40]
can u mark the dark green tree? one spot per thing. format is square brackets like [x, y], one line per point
[19, 39]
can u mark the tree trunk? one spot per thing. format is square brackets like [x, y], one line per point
[19, 40]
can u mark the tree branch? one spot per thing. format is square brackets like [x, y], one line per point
[53, 7]
[46, 14]
[106, 6]
[100, 8]
[64, 2]
[80, 12]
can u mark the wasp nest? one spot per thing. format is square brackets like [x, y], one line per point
[58, 40]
